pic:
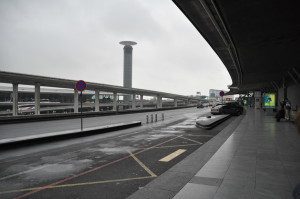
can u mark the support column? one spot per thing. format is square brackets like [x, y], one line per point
[37, 98]
[284, 88]
[159, 101]
[96, 100]
[141, 101]
[133, 101]
[257, 95]
[115, 102]
[75, 101]
[175, 102]
[189, 102]
[15, 99]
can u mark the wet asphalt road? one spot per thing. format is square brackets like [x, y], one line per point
[100, 166]
[34, 128]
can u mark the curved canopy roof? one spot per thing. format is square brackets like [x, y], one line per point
[258, 41]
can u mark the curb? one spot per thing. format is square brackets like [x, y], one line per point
[63, 135]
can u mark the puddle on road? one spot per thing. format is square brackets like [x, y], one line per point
[56, 171]
[114, 150]
[187, 124]
[48, 171]
[58, 158]
[153, 135]
[164, 132]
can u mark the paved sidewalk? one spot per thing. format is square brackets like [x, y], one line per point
[261, 159]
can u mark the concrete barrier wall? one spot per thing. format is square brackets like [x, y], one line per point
[46, 117]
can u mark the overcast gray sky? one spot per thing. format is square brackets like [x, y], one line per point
[79, 39]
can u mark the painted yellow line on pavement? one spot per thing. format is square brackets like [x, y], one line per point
[191, 140]
[55, 184]
[172, 155]
[76, 184]
[142, 165]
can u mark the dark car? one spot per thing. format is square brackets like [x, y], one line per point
[232, 108]
[200, 106]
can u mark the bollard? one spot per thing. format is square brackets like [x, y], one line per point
[162, 116]
[147, 119]
[155, 117]
[151, 118]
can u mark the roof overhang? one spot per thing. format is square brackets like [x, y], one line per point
[258, 41]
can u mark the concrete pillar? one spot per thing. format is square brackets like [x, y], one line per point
[15, 99]
[75, 101]
[175, 102]
[257, 103]
[37, 98]
[115, 102]
[96, 100]
[141, 101]
[133, 101]
[159, 101]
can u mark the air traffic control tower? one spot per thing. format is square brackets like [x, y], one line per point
[127, 75]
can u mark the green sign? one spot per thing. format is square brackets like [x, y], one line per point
[269, 100]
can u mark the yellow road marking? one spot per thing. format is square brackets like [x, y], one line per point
[142, 165]
[90, 183]
[172, 155]
[76, 184]
[191, 140]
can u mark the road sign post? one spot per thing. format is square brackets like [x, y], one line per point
[81, 122]
[222, 94]
[80, 86]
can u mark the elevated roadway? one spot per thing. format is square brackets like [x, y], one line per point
[16, 78]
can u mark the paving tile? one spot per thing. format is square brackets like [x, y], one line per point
[243, 173]
[269, 163]
[217, 164]
[295, 157]
[294, 180]
[171, 181]
[272, 192]
[235, 189]
[196, 191]
[212, 173]
[268, 156]
[150, 193]
[206, 181]
[274, 179]
[272, 170]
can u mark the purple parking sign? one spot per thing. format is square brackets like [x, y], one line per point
[222, 93]
[80, 85]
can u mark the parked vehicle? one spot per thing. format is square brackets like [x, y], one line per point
[232, 108]
[200, 105]
[217, 109]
